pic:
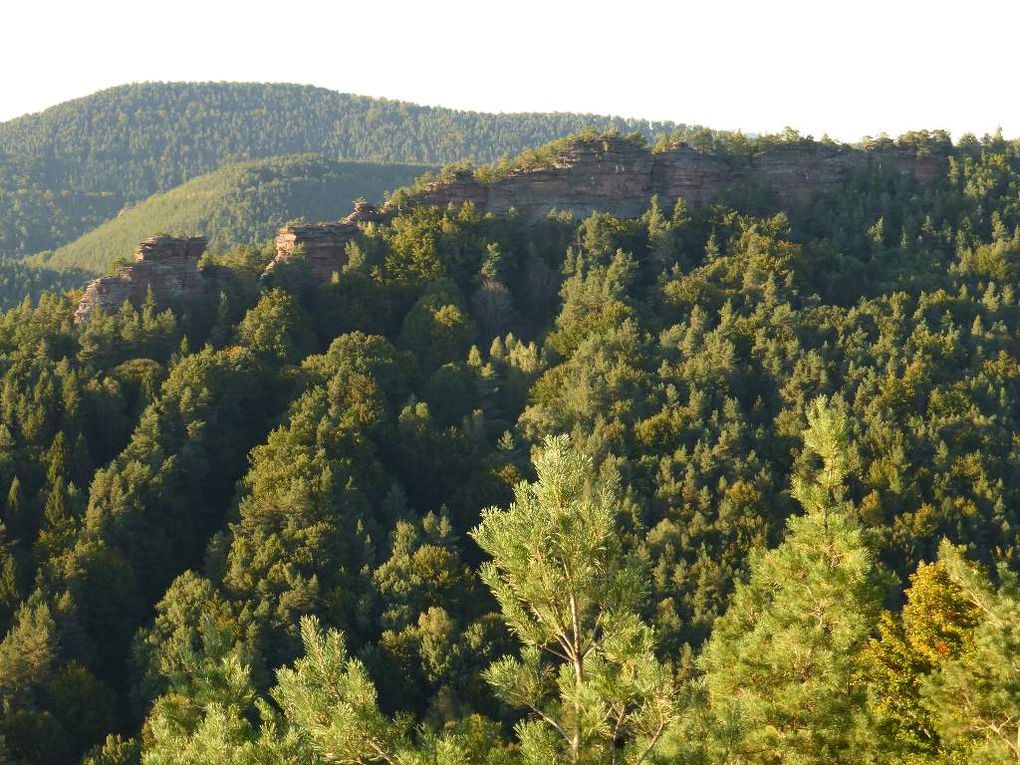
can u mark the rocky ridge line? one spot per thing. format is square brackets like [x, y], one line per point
[618, 176]
[608, 175]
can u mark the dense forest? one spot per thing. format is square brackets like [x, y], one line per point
[20, 280]
[68, 169]
[241, 203]
[716, 486]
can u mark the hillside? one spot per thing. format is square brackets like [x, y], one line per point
[241, 203]
[20, 280]
[760, 452]
[74, 165]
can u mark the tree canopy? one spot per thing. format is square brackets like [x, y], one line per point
[752, 479]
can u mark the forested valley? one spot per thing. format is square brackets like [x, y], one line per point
[736, 484]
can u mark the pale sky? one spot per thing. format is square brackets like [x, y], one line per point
[847, 68]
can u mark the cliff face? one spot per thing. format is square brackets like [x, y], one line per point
[167, 265]
[324, 244]
[617, 176]
[612, 175]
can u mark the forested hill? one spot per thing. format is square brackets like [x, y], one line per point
[66, 169]
[715, 484]
[241, 203]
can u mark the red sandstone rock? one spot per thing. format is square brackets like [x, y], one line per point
[167, 265]
[618, 176]
[324, 246]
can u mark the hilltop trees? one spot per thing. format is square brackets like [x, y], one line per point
[238, 203]
[71, 167]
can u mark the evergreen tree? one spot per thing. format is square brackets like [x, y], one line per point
[935, 625]
[206, 717]
[783, 657]
[277, 327]
[329, 697]
[588, 675]
[975, 694]
[15, 510]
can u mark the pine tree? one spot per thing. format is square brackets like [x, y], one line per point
[10, 590]
[14, 510]
[331, 715]
[588, 674]
[59, 521]
[783, 657]
[975, 695]
[206, 716]
[934, 627]
[329, 697]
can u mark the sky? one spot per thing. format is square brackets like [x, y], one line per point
[849, 69]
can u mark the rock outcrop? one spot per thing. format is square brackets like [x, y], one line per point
[166, 265]
[619, 176]
[324, 245]
[612, 175]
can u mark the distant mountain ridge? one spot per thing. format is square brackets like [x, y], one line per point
[68, 168]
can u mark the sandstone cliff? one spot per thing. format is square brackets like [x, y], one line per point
[164, 264]
[619, 176]
[609, 174]
[324, 244]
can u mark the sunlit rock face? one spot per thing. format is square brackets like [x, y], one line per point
[607, 175]
[323, 245]
[619, 176]
[166, 265]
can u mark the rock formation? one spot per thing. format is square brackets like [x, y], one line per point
[166, 265]
[324, 244]
[609, 174]
[619, 176]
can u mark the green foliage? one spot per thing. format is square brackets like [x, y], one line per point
[329, 697]
[437, 328]
[67, 169]
[975, 692]
[277, 328]
[205, 716]
[783, 657]
[594, 302]
[175, 505]
[588, 674]
[546, 155]
[935, 625]
[240, 203]
[19, 281]
[115, 750]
